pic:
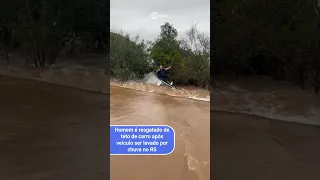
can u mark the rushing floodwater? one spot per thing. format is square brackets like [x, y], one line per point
[180, 91]
[191, 122]
[54, 132]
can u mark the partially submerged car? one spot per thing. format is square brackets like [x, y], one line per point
[152, 78]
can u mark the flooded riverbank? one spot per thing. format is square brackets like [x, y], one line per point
[189, 161]
[262, 96]
[189, 92]
[45, 121]
[259, 130]
[69, 74]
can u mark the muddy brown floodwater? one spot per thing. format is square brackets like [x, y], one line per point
[280, 145]
[247, 147]
[55, 132]
[191, 122]
[59, 133]
[50, 132]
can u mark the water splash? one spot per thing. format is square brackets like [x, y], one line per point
[182, 92]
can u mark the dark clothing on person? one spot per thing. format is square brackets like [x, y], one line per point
[162, 74]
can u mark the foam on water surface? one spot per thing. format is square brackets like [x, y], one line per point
[182, 92]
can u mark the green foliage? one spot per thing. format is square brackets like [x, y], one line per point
[189, 58]
[282, 34]
[42, 28]
[194, 65]
[128, 59]
[165, 49]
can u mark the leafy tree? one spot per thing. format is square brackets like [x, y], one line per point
[40, 29]
[280, 37]
[195, 58]
[165, 50]
[128, 59]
